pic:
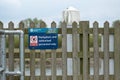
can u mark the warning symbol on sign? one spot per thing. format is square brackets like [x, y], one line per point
[33, 41]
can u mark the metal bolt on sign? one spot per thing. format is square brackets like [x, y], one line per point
[3, 71]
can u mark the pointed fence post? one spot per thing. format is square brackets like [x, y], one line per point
[42, 58]
[11, 50]
[32, 58]
[96, 51]
[64, 51]
[117, 52]
[85, 50]
[106, 51]
[75, 51]
[53, 25]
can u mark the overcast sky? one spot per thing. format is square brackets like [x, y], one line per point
[49, 10]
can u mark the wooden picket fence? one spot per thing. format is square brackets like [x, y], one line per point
[80, 58]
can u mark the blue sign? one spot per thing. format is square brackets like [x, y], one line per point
[43, 38]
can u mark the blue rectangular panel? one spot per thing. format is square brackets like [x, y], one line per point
[43, 38]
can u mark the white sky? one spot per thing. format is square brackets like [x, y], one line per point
[49, 10]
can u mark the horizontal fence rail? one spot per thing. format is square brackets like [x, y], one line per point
[90, 58]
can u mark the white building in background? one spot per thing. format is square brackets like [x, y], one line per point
[70, 15]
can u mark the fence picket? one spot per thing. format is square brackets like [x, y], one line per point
[42, 58]
[96, 51]
[32, 58]
[106, 51]
[53, 25]
[11, 50]
[64, 51]
[117, 52]
[85, 50]
[75, 51]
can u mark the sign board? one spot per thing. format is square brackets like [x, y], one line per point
[43, 38]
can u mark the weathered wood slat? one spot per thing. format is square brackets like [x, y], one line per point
[69, 30]
[85, 50]
[42, 58]
[32, 58]
[59, 54]
[101, 77]
[106, 51]
[11, 50]
[75, 51]
[117, 52]
[64, 51]
[79, 30]
[96, 51]
[53, 25]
